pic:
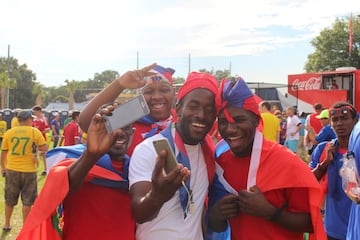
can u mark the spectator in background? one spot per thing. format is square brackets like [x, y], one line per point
[72, 131]
[274, 108]
[68, 119]
[293, 126]
[302, 151]
[326, 162]
[19, 165]
[282, 120]
[271, 124]
[41, 122]
[326, 133]
[334, 85]
[312, 124]
[14, 120]
[3, 128]
[66, 122]
[55, 129]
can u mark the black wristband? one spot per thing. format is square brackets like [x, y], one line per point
[277, 213]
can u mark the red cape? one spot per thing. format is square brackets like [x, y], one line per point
[270, 176]
[38, 224]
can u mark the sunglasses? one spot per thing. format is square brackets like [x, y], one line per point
[340, 110]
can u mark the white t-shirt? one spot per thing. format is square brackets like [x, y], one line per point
[170, 222]
[291, 126]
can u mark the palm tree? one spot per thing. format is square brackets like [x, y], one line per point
[72, 86]
[5, 83]
[38, 90]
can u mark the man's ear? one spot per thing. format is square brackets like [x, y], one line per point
[178, 106]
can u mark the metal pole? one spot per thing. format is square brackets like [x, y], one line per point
[230, 69]
[137, 60]
[189, 63]
[8, 68]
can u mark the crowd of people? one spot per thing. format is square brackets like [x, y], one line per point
[268, 173]
[23, 145]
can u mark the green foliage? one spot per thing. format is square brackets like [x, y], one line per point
[178, 80]
[332, 47]
[21, 81]
[100, 79]
[219, 74]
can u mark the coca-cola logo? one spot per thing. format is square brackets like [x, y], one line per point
[313, 83]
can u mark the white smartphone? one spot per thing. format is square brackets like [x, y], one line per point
[163, 144]
[127, 113]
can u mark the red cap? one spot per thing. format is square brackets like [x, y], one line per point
[197, 80]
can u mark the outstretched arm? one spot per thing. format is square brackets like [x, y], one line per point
[130, 80]
[99, 142]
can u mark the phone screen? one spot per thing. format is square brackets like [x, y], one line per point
[127, 113]
[163, 144]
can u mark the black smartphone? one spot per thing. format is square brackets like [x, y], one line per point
[163, 144]
[127, 113]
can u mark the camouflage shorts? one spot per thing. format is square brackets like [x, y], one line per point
[20, 183]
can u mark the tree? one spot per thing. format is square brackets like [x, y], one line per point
[21, 82]
[218, 74]
[38, 91]
[178, 80]
[332, 47]
[72, 86]
[5, 83]
[101, 79]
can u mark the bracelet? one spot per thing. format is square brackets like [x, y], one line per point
[277, 213]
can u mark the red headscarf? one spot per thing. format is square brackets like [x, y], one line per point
[197, 80]
[236, 93]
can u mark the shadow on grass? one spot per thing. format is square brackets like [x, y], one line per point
[7, 235]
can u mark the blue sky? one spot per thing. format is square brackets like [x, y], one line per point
[263, 40]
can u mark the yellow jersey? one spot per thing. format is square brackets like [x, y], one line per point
[21, 144]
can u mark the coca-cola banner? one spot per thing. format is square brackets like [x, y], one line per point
[302, 82]
[308, 87]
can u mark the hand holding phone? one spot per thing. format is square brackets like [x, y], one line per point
[163, 144]
[127, 113]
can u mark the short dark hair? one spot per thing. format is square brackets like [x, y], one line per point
[266, 104]
[318, 106]
[74, 114]
[24, 115]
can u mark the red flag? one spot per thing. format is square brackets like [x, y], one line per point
[350, 35]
